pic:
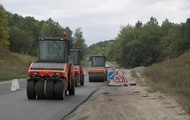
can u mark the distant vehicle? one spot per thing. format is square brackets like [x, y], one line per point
[75, 58]
[97, 71]
[87, 59]
[107, 66]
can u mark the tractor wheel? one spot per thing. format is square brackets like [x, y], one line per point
[76, 81]
[40, 89]
[92, 77]
[96, 77]
[50, 89]
[30, 89]
[82, 80]
[59, 90]
[72, 86]
[106, 77]
[89, 79]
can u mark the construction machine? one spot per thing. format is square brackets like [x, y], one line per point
[51, 76]
[97, 71]
[75, 58]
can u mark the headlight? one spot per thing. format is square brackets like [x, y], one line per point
[36, 73]
[57, 74]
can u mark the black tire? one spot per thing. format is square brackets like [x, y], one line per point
[59, 90]
[50, 89]
[30, 89]
[106, 78]
[72, 86]
[77, 81]
[40, 89]
[96, 77]
[90, 79]
[82, 80]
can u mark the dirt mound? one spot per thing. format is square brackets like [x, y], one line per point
[128, 103]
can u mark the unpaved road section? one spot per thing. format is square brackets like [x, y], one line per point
[128, 103]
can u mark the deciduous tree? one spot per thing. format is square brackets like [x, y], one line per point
[4, 29]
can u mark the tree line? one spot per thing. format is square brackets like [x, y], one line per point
[141, 44]
[19, 33]
[145, 44]
[99, 48]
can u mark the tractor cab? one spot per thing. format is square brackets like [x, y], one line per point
[98, 61]
[75, 56]
[53, 49]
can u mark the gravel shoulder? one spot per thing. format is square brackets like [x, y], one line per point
[128, 103]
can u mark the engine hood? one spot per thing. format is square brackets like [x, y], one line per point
[47, 66]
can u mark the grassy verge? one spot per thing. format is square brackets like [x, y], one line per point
[133, 73]
[13, 65]
[171, 77]
[83, 62]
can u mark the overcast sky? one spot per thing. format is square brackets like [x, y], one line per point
[100, 19]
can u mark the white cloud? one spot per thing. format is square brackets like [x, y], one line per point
[100, 19]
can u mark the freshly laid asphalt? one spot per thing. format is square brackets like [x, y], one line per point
[14, 105]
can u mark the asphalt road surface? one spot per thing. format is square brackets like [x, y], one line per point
[15, 105]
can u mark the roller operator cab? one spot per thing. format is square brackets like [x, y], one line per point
[75, 58]
[51, 76]
[97, 71]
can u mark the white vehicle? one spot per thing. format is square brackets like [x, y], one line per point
[107, 66]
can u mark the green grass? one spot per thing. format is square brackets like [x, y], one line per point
[133, 73]
[83, 62]
[13, 65]
[171, 77]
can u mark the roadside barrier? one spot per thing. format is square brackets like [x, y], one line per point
[15, 85]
